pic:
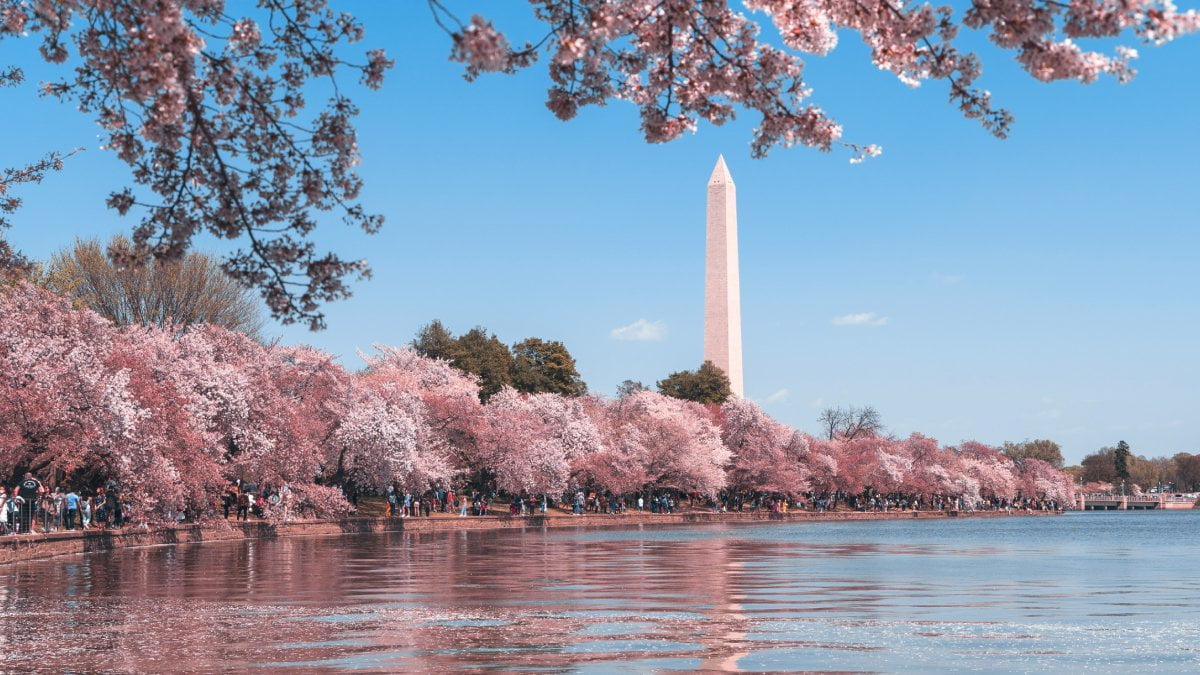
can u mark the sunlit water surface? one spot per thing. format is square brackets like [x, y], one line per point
[1084, 591]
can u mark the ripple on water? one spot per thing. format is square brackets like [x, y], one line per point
[1084, 592]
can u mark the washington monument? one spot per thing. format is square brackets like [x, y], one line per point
[722, 289]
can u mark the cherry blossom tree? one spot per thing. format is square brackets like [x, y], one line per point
[991, 472]
[210, 110]
[655, 441]
[765, 453]
[171, 459]
[271, 406]
[519, 448]
[173, 412]
[61, 405]
[682, 61]
[858, 462]
[450, 398]
[1041, 480]
[932, 467]
[1098, 487]
[381, 441]
[81, 395]
[533, 442]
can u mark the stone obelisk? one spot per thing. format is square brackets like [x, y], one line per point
[722, 288]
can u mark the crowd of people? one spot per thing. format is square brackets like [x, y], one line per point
[245, 499]
[872, 501]
[403, 504]
[30, 508]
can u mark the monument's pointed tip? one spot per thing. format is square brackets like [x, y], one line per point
[720, 172]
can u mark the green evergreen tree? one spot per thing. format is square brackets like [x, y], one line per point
[545, 366]
[483, 355]
[434, 341]
[708, 384]
[1121, 461]
[630, 387]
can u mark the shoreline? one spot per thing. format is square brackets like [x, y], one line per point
[22, 548]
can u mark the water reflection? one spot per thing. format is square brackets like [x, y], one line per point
[1078, 592]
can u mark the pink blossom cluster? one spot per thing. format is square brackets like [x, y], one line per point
[174, 414]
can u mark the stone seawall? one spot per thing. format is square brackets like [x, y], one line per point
[32, 547]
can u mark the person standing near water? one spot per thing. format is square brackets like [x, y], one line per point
[28, 491]
[71, 509]
[5, 528]
[85, 513]
[243, 507]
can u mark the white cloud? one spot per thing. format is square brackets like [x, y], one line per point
[948, 279]
[860, 319]
[778, 396]
[641, 331]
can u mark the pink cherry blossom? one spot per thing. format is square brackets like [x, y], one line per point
[173, 414]
[683, 61]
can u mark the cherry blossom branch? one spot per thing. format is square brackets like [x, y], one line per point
[30, 173]
[205, 112]
[681, 61]
[11, 76]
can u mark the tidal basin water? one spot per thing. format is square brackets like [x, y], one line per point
[1083, 591]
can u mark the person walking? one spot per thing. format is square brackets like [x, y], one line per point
[85, 513]
[15, 508]
[118, 508]
[243, 507]
[60, 510]
[229, 499]
[100, 509]
[71, 509]
[46, 511]
[28, 490]
[5, 528]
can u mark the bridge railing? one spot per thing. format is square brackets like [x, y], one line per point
[1142, 501]
[1145, 496]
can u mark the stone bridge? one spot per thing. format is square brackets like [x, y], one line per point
[1108, 502]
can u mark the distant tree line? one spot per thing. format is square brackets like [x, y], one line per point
[1118, 464]
[706, 384]
[538, 366]
[531, 366]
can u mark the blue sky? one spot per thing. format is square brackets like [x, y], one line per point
[1042, 286]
